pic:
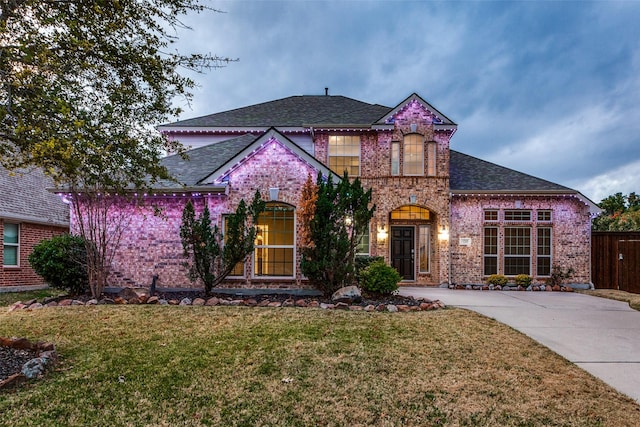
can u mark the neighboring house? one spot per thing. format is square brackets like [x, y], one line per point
[28, 214]
[441, 216]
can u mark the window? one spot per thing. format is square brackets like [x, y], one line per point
[11, 245]
[490, 251]
[238, 270]
[410, 212]
[395, 158]
[274, 245]
[491, 215]
[517, 250]
[363, 242]
[544, 216]
[413, 155]
[431, 158]
[517, 215]
[544, 251]
[344, 154]
[423, 248]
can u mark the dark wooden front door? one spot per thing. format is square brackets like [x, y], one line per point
[402, 251]
[629, 265]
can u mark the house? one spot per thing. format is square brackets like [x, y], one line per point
[442, 216]
[28, 214]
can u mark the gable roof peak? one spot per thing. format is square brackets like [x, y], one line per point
[442, 120]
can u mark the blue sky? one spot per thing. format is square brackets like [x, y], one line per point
[549, 88]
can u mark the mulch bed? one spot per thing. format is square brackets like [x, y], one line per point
[12, 359]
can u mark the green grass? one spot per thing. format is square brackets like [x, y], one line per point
[8, 298]
[235, 366]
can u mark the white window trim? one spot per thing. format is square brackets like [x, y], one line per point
[295, 254]
[495, 226]
[550, 256]
[504, 251]
[15, 245]
[404, 156]
[329, 156]
[395, 144]
[369, 245]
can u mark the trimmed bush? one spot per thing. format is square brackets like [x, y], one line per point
[497, 279]
[61, 261]
[364, 261]
[523, 280]
[379, 278]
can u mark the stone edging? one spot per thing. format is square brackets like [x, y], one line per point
[46, 355]
[423, 304]
[530, 288]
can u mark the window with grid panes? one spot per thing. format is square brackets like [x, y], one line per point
[517, 250]
[413, 155]
[274, 245]
[517, 215]
[544, 216]
[431, 158]
[11, 245]
[491, 215]
[544, 251]
[490, 251]
[344, 154]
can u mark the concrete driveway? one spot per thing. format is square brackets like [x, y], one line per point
[599, 335]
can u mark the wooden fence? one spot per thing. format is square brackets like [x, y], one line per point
[615, 260]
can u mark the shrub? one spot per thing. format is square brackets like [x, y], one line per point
[61, 261]
[497, 279]
[379, 278]
[364, 261]
[558, 275]
[523, 280]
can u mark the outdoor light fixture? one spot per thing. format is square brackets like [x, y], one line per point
[382, 234]
[443, 234]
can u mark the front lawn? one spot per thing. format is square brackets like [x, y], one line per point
[171, 365]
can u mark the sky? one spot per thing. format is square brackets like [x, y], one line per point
[548, 88]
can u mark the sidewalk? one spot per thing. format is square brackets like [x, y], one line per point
[599, 335]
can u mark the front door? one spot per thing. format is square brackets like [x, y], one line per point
[402, 249]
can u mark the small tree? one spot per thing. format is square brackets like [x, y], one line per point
[340, 217]
[61, 261]
[212, 255]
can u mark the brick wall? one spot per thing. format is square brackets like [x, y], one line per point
[152, 244]
[30, 235]
[571, 234]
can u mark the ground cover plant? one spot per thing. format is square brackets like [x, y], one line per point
[153, 365]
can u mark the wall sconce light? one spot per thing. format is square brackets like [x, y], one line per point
[348, 220]
[382, 234]
[443, 234]
[412, 199]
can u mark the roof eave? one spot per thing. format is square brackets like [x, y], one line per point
[593, 208]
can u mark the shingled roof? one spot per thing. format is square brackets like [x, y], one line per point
[25, 198]
[468, 173]
[294, 111]
[202, 161]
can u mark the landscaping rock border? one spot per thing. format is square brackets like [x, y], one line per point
[45, 356]
[530, 288]
[393, 304]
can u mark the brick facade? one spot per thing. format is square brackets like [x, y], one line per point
[455, 220]
[570, 224]
[30, 235]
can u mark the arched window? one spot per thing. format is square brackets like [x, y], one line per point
[275, 242]
[413, 154]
